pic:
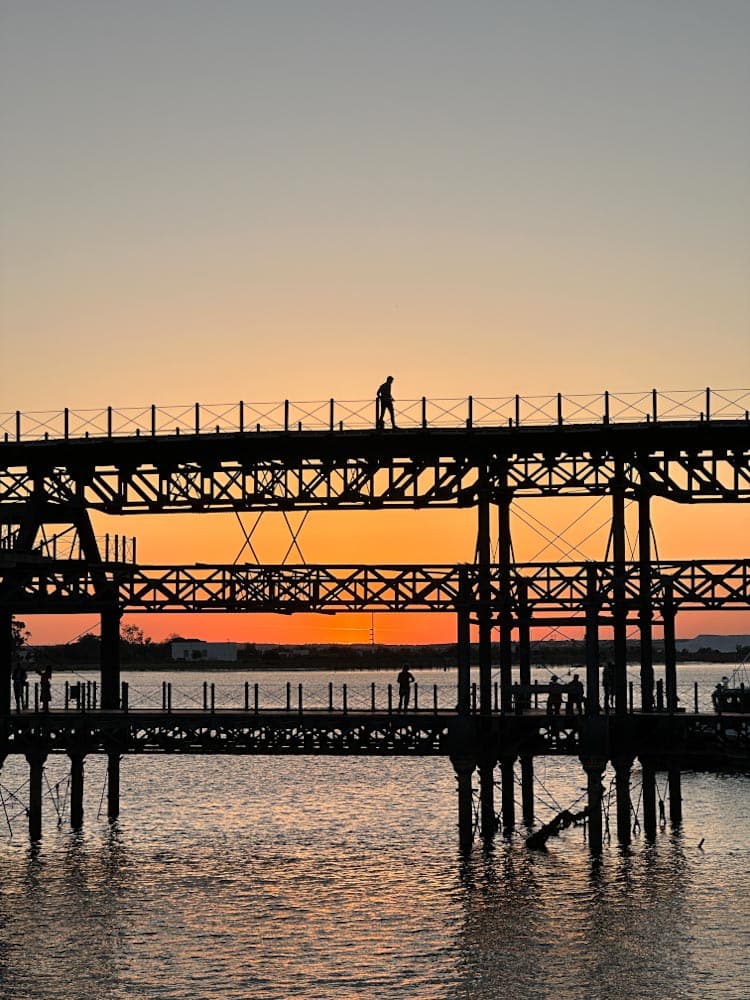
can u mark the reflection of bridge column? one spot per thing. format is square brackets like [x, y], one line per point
[594, 768]
[36, 770]
[506, 608]
[649, 797]
[592, 642]
[113, 786]
[6, 659]
[464, 768]
[622, 765]
[527, 788]
[619, 609]
[675, 794]
[646, 607]
[507, 774]
[488, 820]
[110, 657]
[76, 790]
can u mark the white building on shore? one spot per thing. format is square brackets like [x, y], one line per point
[197, 651]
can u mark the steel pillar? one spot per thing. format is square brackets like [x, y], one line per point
[592, 642]
[36, 771]
[6, 660]
[527, 788]
[113, 786]
[507, 773]
[646, 604]
[110, 657]
[623, 766]
[504, 559]
[675, 794]
[464, 642]
[670, 651]
[649, 798]
[485, 598]
[594, 768]
[619, 609]
[464, 768]
[76, 790]
[524, 639]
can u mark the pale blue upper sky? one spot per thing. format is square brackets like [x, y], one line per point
[222, 200]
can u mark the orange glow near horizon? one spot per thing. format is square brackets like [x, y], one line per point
[565, 530]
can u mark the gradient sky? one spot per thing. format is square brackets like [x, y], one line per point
[226, 200]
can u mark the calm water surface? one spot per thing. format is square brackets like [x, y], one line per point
[341, 878]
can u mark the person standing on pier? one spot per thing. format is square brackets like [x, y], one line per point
[19, 685]
[45, 687]
[405, 679]
[384, 404]
[554, 698]
[575, 696]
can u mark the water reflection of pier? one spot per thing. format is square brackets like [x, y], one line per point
[623, 449]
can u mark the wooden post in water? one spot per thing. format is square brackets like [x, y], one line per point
[36, 769]
[594, 768]
[622, 765]
[527, 788]
[76, 790]
[464, 768]
[113, 786]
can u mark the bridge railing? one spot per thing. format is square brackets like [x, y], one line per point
[334, 415]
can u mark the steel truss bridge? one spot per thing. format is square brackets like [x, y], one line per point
[538, 591]
[691, 448]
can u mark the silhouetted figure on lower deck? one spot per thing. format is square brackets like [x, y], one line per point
[45, 687]
[554, 698]
[575, 696]
[19, 685]
[405, 680]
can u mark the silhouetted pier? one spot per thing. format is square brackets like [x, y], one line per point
[57, 468]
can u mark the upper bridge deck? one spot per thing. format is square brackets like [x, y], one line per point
[689, 447]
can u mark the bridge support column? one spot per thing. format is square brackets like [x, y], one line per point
[36, 771]
[670, 651]
[464, 642]
[649, 798]
[110, 657]
[619, 608]
[507, 773]
[113, 786]
[675, 794]
[646, 604]
[527, 788]
[506, 605]
[464, 768]
[594, 768]
[592, 642]
[487, 818]
[623, 766]
[6, 660]
[485, 600]
[524, 641]
[76, 790]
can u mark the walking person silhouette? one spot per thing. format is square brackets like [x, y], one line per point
[384, 404]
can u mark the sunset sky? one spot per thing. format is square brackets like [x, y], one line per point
[267, 200]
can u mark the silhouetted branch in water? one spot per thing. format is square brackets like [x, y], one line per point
[537, 841]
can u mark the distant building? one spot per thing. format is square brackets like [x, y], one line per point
[721, 643]
[196, 650]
